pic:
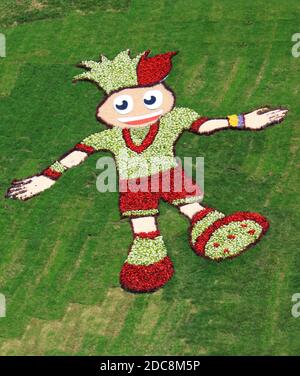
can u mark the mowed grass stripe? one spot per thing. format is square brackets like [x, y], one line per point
[285, 248]
[67, 334]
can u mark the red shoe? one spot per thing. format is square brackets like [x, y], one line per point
[147, 267]
[217, 237]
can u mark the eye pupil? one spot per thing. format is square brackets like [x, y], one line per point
[153, 99]
[150, 101]
[122, 106]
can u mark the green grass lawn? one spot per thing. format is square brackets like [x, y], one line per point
[60, 253]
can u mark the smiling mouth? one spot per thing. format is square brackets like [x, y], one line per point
[133, 120]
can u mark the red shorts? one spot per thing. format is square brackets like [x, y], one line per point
[140, 197]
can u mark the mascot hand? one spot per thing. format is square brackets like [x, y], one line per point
[259, 119]
[27, 188]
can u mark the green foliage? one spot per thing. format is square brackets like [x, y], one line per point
[61, 252]
[113, 74]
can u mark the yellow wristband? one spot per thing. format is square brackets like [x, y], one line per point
[233, 120]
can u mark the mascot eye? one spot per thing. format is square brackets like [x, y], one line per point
[153, 99]
[123, 104]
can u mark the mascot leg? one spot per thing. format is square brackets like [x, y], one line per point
[216, 236]
[147, 267]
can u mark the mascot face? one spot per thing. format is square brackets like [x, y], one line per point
[136, 94]
[136, 107]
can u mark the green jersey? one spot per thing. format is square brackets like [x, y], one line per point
[141, 152]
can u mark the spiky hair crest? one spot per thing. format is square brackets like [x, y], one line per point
[111, 75]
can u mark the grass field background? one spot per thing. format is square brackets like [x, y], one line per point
[60, 253]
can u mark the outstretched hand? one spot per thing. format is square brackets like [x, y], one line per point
[264, 117]
[27, 188]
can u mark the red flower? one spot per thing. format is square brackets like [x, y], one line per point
[146, 142]
[197, 124]
[200, 215]
[54, 175]
[85, 148]
[199, 246]
[147, 235]
[146, 278]
[152, 70]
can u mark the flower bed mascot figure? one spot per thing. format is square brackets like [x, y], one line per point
[143, 125]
